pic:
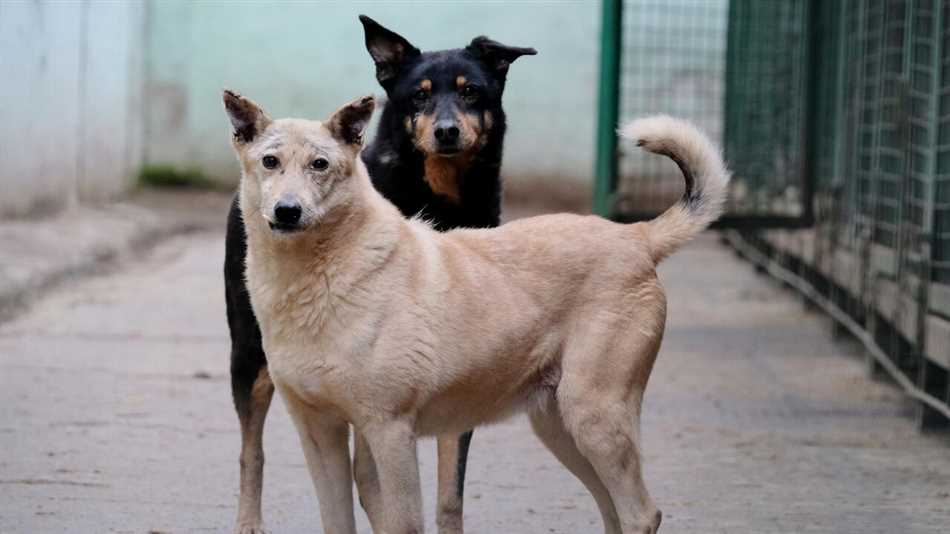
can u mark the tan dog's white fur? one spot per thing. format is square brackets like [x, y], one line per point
[381, 322]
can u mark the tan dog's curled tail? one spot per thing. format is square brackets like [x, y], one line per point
[703, 169]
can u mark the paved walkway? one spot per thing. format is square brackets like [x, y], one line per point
[115, 416]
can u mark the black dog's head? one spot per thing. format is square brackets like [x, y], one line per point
[446, 100]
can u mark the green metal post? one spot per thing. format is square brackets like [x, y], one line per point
[813, 59]
[608, 103]
[927, 418]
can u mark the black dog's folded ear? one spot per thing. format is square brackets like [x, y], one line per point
[247, 118]
[349, 122]
[388, 50]
[497, 56]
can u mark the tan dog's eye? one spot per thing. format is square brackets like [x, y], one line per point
[319, 164]
[469, 93]
[270, 162]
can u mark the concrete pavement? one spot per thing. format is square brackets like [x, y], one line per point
[115, 416]
[38, 254]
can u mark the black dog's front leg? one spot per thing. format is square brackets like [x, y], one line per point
[250, 383]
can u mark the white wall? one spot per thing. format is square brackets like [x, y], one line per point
[70, 102]
[306, 59]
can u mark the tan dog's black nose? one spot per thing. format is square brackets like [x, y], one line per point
[287, 213]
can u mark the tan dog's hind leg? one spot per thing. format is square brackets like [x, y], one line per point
[393, 444]
[549, 428]
[604, 372]
[449, 507]
[609, 439]
[252, 455]
[367, 482]
[325, 442]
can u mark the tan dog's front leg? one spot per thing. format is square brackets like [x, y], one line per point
[325, 442]
[451, 478]
[452, 450]
[367, 482]
[393, 444]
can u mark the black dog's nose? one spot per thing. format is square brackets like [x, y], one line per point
[287, 213]
[446, 131]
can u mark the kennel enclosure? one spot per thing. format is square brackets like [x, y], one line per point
[835, 119]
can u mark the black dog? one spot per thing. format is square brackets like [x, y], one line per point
[436, 155]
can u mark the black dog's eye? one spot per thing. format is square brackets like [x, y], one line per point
[421, 96]
[319, 164]
[469, 93]
[270, 162]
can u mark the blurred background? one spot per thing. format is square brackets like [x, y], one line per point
[119, 88]
[803, 386]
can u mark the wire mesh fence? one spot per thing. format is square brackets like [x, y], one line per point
[765, 111]
[835, 119]
[862, 88]
[673, 61]
[675, 57]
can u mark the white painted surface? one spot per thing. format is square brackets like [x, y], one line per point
[307, 59]
[69, 102]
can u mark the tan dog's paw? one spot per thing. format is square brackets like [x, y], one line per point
[250, 527]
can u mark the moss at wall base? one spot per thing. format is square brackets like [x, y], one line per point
[164, 175]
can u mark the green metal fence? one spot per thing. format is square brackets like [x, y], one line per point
[765, 114]
[674, 56]
[661, 56]
[835, 118]
[872, 80]
[673, 62]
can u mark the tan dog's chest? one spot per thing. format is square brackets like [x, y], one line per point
[305, 348]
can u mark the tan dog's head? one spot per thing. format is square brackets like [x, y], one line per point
[296, 173]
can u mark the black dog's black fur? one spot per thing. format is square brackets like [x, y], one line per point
[397, 168]
[394, 163]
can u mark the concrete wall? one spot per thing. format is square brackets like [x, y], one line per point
[306, 59]
[70, 101]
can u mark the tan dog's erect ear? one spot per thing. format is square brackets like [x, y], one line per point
[349, 122]
[247, 118]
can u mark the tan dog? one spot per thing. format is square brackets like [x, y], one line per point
[381, 322]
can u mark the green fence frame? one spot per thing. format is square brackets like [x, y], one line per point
[608, 107]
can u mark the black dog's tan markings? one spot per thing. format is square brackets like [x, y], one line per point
[442, 175]
[451, 191]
